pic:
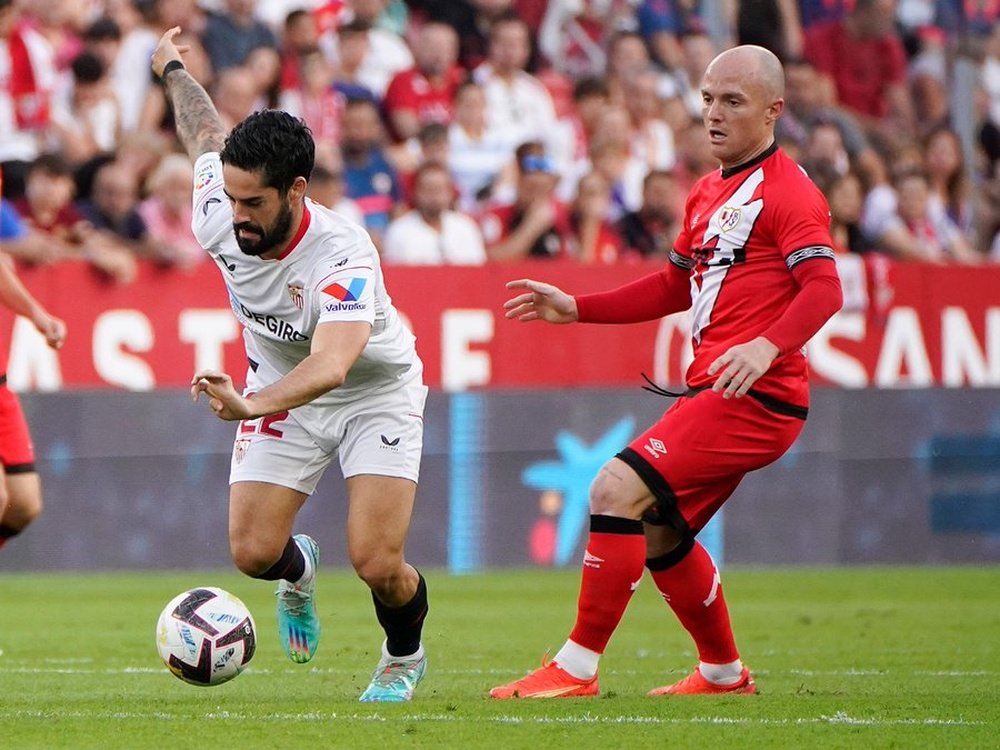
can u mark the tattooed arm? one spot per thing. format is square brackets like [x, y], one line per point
[198, 124]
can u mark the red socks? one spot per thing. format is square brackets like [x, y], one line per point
[692, 588]
[612, 567]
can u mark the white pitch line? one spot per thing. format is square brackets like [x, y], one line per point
[839, 718]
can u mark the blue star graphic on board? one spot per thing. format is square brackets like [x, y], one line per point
[572, 476]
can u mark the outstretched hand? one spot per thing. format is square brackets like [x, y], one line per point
[740, 366]
[541, 302]
[166, 50]
[223, 398]
[51, 327]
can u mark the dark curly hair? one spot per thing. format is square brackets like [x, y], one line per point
[273, 143]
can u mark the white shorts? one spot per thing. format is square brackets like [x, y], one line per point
[380, 435]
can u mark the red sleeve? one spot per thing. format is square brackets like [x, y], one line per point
[661, 293]
[818, 298]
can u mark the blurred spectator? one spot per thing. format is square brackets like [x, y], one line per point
[472, 21]
[591, 97]
[936, 232]
[103, 37]
[385, 54]
[430, 144]
[823, 151]
[989, 76]
[314, 99]
[806, 108]
[516, 102]
[425, 93]
[371, 180]
[61, 22]
[682, 88]
[845, 195]
[351, 50]
[950, 186]
[863, 58]
[612, 153]
[130, 75]
[927, 75]
[650, 231]
[652, 140]
[264, 64]
[477, 153]
[236, 95]
[327, 187]
[535, 225]
[300, 36]
[87, 115]
[23, 242]
[113, 205]
[593, 238]
[627, 55]
[167, 213]
[47, 207]
[432, 233]
[27, 62]
[233, 33]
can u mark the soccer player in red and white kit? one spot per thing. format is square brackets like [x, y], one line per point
[754, 264]
[20, 486]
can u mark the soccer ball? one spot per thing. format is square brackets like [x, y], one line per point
[206, 636]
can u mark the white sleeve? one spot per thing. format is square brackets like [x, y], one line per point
[212, 216]
[347, 294]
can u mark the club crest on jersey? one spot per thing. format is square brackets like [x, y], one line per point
[240, 449]
[350, 293]
[729, 218]
[295, 292]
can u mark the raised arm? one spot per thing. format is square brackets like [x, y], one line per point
[199, 126]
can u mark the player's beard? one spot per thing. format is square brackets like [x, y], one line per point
[269, 238]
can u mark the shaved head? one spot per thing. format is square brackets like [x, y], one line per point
[742, 97]
[760, 66]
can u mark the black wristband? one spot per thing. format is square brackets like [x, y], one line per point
[171, 66]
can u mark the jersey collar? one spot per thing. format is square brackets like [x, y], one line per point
[300, 232]
[726, 173]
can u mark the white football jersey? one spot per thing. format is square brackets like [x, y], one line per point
[329, 272]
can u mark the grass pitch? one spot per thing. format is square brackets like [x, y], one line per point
[876, 657]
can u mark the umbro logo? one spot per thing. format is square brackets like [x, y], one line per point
[655, 447]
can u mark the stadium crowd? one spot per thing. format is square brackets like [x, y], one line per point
[474, 131]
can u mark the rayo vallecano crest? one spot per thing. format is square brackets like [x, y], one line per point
[729, 218]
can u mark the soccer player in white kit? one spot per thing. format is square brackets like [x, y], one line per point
[332, 373]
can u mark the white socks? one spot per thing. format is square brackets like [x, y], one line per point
[308, 572]
[722, 674]
[578, 661]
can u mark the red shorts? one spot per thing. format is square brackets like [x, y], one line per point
[695, 456]
[17, 454]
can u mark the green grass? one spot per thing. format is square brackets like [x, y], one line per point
[873, 658]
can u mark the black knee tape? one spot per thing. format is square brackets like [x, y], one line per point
[674, 556]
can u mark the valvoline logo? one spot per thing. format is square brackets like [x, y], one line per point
[350, 293]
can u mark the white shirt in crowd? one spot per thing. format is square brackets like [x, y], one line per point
[410, 240]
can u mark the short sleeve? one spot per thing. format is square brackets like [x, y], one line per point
[801, 222]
